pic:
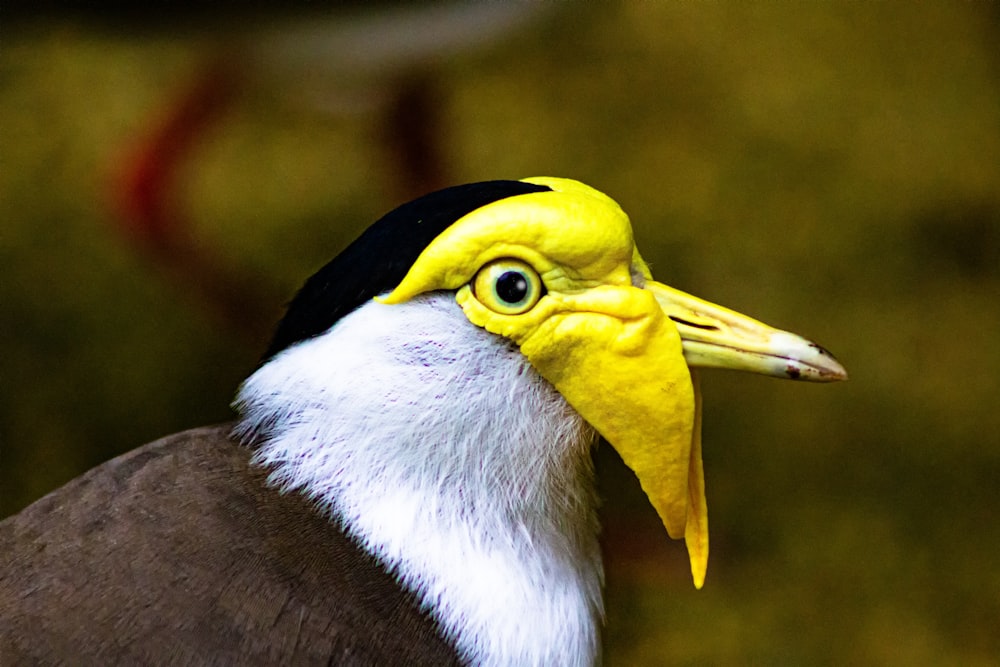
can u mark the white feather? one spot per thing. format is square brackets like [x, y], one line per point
[448, 457]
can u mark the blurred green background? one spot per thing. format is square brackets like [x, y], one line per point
[829, 168]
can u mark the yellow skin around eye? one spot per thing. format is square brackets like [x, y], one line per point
[604, 344]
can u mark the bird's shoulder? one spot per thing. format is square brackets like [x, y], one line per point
[180, 552]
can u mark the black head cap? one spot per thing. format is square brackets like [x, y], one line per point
[379, 259]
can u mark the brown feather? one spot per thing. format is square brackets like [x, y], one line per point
[179, 553]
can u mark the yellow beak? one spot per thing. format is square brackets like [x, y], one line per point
[716, 337]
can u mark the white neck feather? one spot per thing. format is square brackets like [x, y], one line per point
[448, 457]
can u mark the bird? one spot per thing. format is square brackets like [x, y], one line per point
[409, 476]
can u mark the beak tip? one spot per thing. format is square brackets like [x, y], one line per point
[829, 368]
[806, 360]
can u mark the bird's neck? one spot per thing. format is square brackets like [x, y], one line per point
[447, 457]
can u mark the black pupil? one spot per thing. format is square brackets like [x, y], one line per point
[511, 287]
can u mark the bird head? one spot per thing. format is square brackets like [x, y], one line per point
[557, 272]
[551, 266]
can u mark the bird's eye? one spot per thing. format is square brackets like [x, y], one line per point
[508, 287]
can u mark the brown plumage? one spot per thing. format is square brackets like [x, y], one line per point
[179, 553]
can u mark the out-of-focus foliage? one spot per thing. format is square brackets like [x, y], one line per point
[830, 168]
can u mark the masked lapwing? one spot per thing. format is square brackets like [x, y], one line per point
[409, 480]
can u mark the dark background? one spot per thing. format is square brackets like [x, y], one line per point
[830, 168]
